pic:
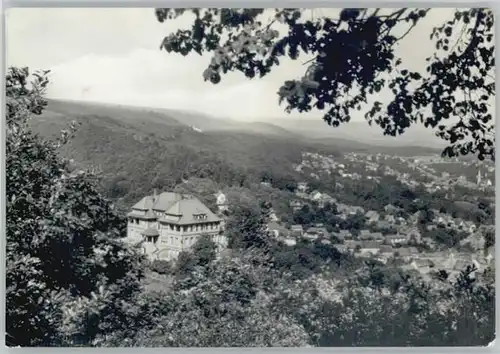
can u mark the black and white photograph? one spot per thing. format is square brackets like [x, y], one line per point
[249, 177]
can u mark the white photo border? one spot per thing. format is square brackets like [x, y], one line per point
[8, 4]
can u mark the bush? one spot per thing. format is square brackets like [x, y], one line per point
[160, 266]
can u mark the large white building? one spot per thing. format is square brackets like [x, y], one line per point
[170, 223]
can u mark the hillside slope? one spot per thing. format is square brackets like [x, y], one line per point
[208, 123]
[416, 137]
[140, 149]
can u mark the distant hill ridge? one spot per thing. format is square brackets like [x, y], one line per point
[353, 135]
[139, 149]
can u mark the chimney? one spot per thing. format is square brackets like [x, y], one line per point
[178, 209]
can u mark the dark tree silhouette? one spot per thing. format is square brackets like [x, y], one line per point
[353, 57]
[68, 274]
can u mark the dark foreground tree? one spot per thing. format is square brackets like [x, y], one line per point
[246, 223]
[202, 253]
[66, 267]
[352, 58]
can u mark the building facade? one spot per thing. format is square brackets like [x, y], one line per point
[170, 223]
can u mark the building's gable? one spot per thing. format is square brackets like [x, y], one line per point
[166, 200]
[145, 203]
[191, 211]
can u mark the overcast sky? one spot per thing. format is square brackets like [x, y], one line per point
[113, 56]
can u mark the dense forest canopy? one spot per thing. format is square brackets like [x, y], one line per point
[353, 58]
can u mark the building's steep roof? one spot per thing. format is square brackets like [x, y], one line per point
[138, 215]
[181, 209]
[187, 209]
[160, 202]
[144, 204]
[165, 200]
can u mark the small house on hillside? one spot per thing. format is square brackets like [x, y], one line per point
[221, 201]
[377, 236]
[395, 239]
[389, 208]
[296, 205]
[352, 245]
[315, 195]
[406, 253]
[341, 247]
[302, 187]
[277, 230]
[365, 235]
[345, 234]
[385, 250]
[383, 224]
[413, 233]
[315, 232]
[372, 216]
[325, 199]
[369, 248]
[289, 241]
[424, 266]
[476, 241]
[390, 218]
[297, 230]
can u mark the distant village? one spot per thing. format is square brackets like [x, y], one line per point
[169, 223]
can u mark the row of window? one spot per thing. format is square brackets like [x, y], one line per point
[170, 240]
[200, 216]
[178, 228]
[195, 217]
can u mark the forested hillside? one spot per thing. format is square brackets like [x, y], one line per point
[138, 149]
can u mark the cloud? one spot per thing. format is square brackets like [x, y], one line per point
[147, 77]
[113, 55]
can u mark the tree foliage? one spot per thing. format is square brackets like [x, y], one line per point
[63, 244]
[247, 222]
[224, 303]
[202, 253]
[352, 58]
[203, 188]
